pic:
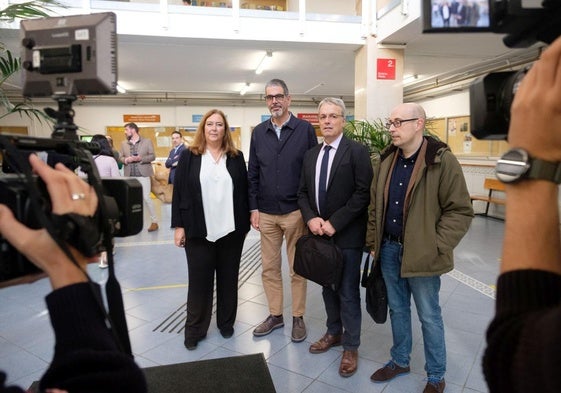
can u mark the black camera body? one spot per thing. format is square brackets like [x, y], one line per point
[491, 95]
[121, 216]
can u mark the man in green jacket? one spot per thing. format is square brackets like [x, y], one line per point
[419, 211]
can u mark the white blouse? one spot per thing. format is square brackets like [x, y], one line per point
[218, 197]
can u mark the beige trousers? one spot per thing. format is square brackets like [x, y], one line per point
[273, 228]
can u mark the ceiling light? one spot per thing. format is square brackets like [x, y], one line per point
[121, 89]
[265, 61]
[244, 89]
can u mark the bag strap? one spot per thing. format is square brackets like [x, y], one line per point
[366, 269]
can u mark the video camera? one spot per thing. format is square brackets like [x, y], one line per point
[64, 57]
[525, 22]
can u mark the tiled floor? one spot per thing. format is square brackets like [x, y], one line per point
[153, 276]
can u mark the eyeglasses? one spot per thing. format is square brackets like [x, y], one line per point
[278, 97]
[331, 116]
[397, 122]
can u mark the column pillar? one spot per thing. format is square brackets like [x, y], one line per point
[377, 89]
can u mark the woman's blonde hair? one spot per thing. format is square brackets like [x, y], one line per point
[199, 142]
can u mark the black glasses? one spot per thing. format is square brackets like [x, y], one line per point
[397, 122]
[278, 97]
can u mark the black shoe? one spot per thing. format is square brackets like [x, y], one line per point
[191, 343]
[227, 332]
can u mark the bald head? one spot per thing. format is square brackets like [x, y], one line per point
[410, 110]
[407, 125]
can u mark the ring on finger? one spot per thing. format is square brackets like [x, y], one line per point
[77, 196]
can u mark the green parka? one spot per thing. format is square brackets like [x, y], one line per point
[437, 209]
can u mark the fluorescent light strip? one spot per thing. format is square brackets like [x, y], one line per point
[244, 89]
[265, 62]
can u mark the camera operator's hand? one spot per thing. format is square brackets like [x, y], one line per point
[69, 194]
[535, 123]
[532, 232]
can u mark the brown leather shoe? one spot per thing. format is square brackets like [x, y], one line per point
[435, 387]
[153, 227]
[268, 325]
[324, 343]
[349, 363]
[389, 371]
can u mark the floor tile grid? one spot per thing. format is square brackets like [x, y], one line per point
[292, 367]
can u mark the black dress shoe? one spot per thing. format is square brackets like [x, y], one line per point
[227, 333]
[191, 343]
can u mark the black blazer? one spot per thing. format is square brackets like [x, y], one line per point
[187, 203]
[348, 191]
[172, 159]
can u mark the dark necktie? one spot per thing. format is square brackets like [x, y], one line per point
[322, 187]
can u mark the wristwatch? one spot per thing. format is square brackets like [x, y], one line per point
[516, 164]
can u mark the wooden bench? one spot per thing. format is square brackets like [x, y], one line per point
[492, 185]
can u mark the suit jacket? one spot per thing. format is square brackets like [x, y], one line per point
[172, 161]
[145, 150]
[187, 203]
[348, 191]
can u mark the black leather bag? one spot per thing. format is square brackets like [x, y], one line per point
[376, 294]
[320, 260]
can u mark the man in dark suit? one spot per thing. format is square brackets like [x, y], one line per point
[333, 197]
[173, 158]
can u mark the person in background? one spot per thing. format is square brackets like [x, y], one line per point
[275, 161]
[86, 356]
[105, 160]
[173, 158]
[419, 211]
[210, 215]
[524, 337]
[107, 167]
[115, 151]
[333, 198]
[137, 154]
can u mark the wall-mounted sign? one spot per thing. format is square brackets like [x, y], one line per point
[385, 69]
[141, 118]
[196, 118]
[311, 117]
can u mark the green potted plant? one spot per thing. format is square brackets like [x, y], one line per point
[374, 134]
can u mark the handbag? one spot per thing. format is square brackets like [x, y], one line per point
[320, 260]
[376, 294]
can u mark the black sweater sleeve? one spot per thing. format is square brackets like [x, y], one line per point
[86, 357]
[524, 339]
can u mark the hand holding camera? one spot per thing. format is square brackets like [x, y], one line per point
[536, 109]
[69, 194]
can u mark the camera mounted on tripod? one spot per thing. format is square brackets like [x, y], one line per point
[64, 57]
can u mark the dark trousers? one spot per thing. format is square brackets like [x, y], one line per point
[204, 258]
[344, 314]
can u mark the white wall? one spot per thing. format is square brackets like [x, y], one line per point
[93, 119]
[455, 104]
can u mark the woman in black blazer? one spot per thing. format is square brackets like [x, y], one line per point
[210, 215]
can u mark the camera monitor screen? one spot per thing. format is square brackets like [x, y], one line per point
[456, 16]
[69, 55]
